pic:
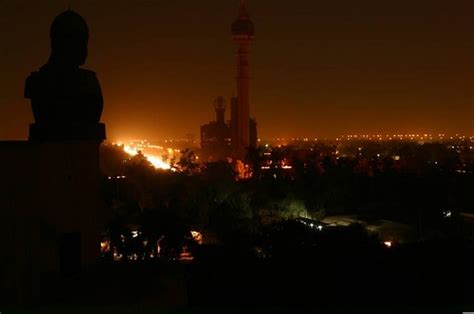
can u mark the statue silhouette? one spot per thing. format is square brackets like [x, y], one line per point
[66, 100]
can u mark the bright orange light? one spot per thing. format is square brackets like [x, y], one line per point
[197, 236]
[157, 162]
[388, 244]
[104, 246]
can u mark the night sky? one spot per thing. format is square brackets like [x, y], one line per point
[319, 68]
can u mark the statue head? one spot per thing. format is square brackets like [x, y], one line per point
[66, 100]
[69, 37]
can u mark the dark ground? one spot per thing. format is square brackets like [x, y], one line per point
[429, 278]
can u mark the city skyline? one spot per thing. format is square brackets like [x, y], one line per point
[251, 217]
[329, 69]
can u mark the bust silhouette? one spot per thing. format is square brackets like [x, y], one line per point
[66, 100]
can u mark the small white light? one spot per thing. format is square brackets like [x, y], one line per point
[447, 214]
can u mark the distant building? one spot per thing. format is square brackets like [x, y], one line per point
[219, 139]
[216, 135]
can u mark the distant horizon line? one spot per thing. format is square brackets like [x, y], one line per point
[354, 136]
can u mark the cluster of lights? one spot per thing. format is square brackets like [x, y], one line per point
[178, 140]
[285, 167]
[157, 162]
[116, 177]
[135, 147]
[411, 136]
[144, 144]
[312, 225]
[382, 137]
[293, 139]
[283, 164]
[184, 256]
[447, 213]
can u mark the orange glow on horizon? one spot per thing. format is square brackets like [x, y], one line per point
[156, 161]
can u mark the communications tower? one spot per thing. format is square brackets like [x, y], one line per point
[242, 33]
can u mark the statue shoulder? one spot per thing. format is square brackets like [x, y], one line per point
[91, 81]
[31, 83]
[88, 73]
[89, 77]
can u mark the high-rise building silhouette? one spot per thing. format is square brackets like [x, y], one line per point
[242, 33]
[221, 139]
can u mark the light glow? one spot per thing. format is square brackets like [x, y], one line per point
[197, 236]
[157, 162]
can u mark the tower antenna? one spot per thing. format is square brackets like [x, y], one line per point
[242, 9]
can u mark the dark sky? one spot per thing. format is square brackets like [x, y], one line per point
[320, 68]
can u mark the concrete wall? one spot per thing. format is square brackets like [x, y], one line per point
[47, 190]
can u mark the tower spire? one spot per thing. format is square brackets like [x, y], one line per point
[243, 10]
[243, 33]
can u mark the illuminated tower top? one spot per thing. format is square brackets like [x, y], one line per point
[243, 27]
